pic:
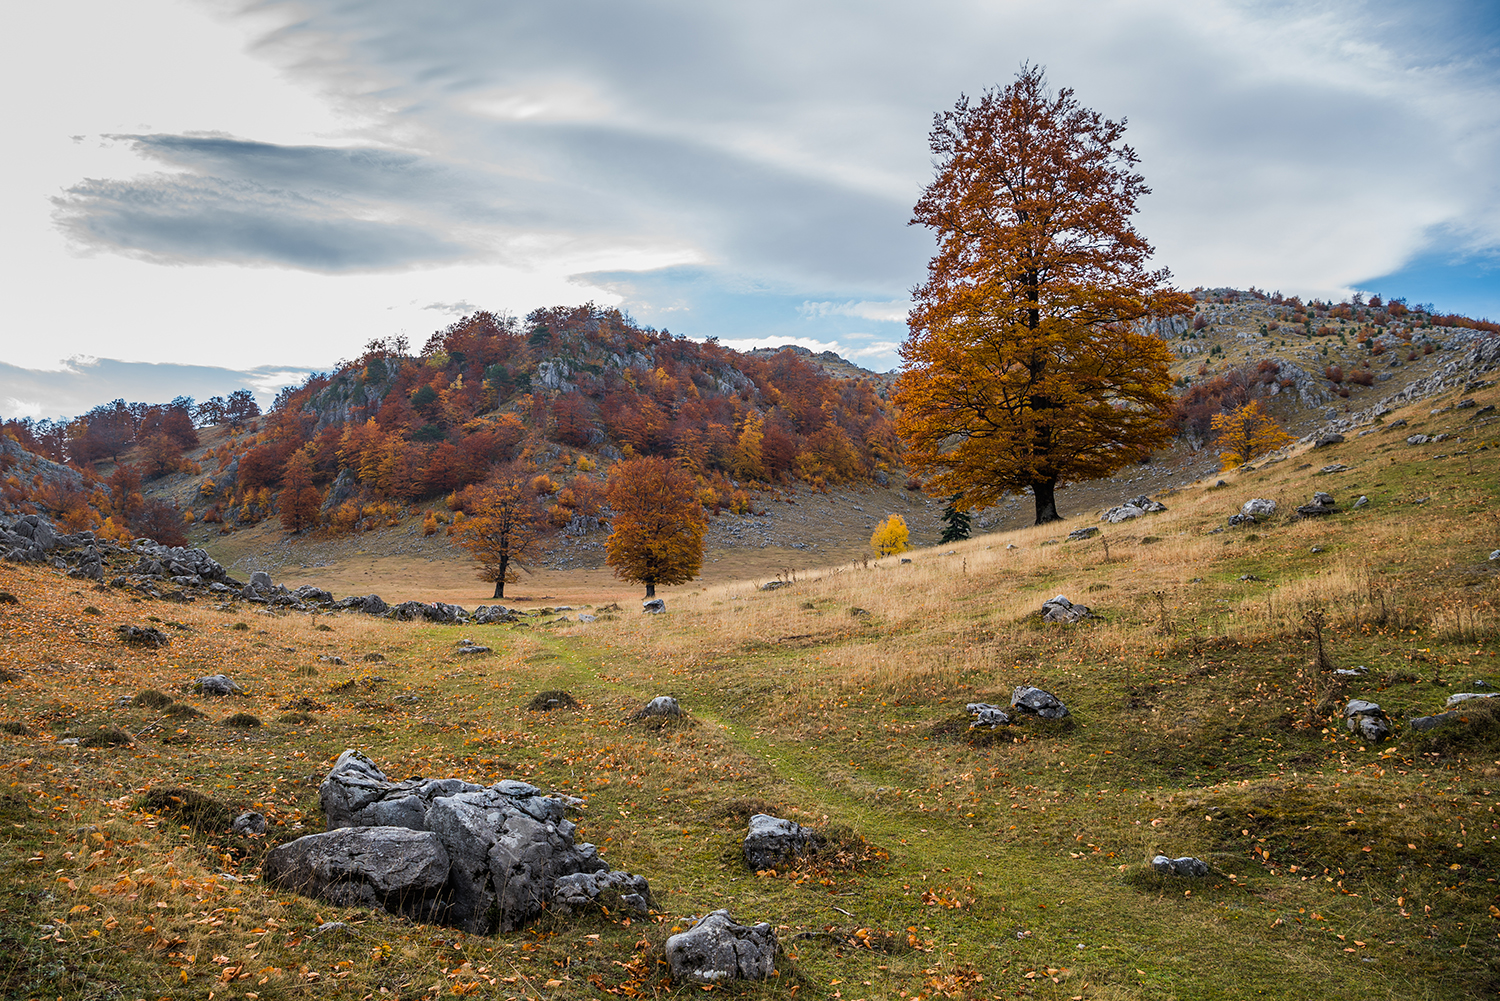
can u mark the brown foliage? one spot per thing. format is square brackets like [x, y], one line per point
[1022, 366]
[658, 524]
[502, 532]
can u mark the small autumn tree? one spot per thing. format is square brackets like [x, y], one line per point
[502, 532]
[891, 536]
[1246, 432]
[658, 524]
[1026, 365]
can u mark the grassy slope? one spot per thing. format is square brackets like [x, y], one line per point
[998, 867]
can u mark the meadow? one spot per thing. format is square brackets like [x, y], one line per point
[958, 863]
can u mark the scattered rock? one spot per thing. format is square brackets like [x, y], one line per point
[987, 716]
[654, 606]
[1460, 697]
[1399, 422]
[373, 658]
[1258, 508]
[217, 684]
[774, 585]
[1185, 866]
[1361, 501]
[1079, 534]
[1418, 439]
[146, 636]
[1430, 722]
[612, 890]
[1495, 555]
[718, 948]
[1134, 508]
[1337, 467]
[1037, 702]
[1320, 504]
[471, 650]
[1333, 438]
[1060, 609]
[249, 822]
[1351, 672]
[771, 842]
[1367, 719]
[486, 615]
[662, 705]
[329, 658]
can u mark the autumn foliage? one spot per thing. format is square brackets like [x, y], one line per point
[658, 524]
[1247, 432]
[501, 532]
[891, 536]
[1024, 367]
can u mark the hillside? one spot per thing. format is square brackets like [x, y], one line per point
[1205, 720]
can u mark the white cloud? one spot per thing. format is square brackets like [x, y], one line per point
[21, 408]
[892, 311]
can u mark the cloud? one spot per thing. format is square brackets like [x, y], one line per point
[461, 308]
[81, 384]
[893, 311]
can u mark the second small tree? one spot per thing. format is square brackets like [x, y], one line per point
[502, 533]
[658, 524]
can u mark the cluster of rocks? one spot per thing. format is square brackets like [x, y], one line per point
[1253, 511]
[1134, 508]
[1060, 609]
[1185, 866]
[1027, 700]
[1320, 505]
[181, 565]
[32, 538]
[445, 851]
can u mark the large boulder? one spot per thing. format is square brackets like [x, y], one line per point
[718, 948]
[396, 869]
[771, 842]
[508, 844]
[1036, 702]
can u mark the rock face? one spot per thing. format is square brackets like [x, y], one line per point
[1036, 702]
[1367, 719]
[1060, 609]
[987, 716]
[718, 948]
[507, 847]
[1185, 866]
[398, 870]
[771, 842]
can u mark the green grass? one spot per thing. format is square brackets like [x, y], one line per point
[962, 865]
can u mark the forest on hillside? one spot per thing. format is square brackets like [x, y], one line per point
[557, 397]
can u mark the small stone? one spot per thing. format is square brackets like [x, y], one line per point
[662, 705]
[249, 822]
[987, 716]
[771, 842]
[1185, 866]
[653, 606]
[217, 684]
[1037, 702]
[1361, 501]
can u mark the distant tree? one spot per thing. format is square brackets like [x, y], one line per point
[891, 536]
[1247, 432]
[502, 532]
[955, 522]
[1025, 366]
[300, 499]
[211, 411]
[241, 408]
[161, 453]
[161, 521]
[658, 524]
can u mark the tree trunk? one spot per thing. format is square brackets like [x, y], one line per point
[499, 588]
[1046, 501]
[650, 590]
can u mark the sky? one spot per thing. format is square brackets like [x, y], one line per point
[201, 193]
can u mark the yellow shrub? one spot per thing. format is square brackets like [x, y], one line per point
[891, 536]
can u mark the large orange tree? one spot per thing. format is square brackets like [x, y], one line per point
[503, 533]
[1028, 364]
[658, 524]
